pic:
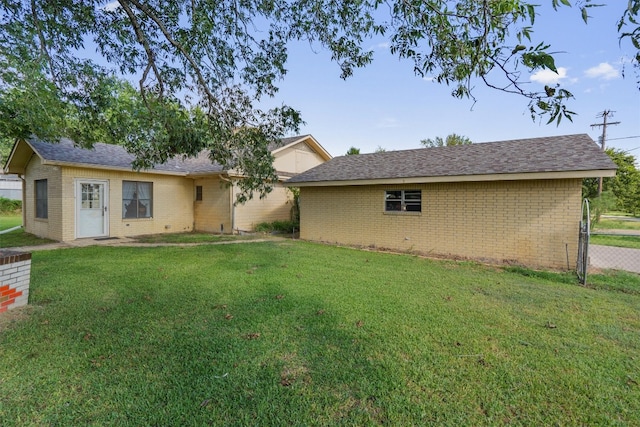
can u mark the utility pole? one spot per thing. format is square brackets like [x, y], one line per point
[605, 114]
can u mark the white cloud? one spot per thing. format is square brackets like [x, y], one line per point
[604, 71]
[388, 122]
[547, 76]
[111, 6]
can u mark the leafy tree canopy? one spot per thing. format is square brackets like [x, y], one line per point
[353, 150]
[451, 139]
[199, 67]
[5, 149]
[625, 186]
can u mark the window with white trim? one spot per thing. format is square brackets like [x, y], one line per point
[403, 201]
[137, 199]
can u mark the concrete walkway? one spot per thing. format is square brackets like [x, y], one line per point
[617, 258]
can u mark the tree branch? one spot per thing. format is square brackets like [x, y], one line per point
[43, 44]
[196, 68]
[150, 54]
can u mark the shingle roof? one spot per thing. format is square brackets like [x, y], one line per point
[115, 156]
[547, 154]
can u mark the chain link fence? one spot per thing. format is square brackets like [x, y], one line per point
[612, 257]
[607, 249]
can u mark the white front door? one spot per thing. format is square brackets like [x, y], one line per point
[92, 216]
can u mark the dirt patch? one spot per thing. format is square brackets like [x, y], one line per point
[10, 318]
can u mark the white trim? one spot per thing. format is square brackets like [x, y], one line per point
[460, 178]
[309, 140]
[106, 208]
[111, 168]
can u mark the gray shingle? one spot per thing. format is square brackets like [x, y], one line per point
[115, 156]
[548, 154]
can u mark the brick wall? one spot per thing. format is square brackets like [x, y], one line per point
[531, 222]
[51, 227]
[276, 206]
[15, 273]
[212, 214]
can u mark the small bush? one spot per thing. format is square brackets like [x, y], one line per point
[8, 206]
[278, 226]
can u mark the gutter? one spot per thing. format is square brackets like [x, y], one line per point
[24, 200]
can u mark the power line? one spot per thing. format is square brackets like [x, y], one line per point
[624, 137]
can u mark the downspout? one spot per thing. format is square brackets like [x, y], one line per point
[24, 200]
[232, 205]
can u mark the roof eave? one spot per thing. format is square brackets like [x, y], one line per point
[461, 178]
[111, 168]
[311, 141]
[9, 166]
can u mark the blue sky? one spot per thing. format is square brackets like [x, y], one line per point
[386, 105]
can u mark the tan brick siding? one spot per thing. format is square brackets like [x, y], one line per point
[276, 206]
[172, 202]
[215, 208]
[51, 227]
[530, 222]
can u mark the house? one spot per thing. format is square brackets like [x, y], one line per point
[73, 193]
[10, 186]
[511, 201]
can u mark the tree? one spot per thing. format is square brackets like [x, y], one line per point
[6, 144]
[201, 66]
[625, 186]
[352, 151]
[451, 139]
[380, 149]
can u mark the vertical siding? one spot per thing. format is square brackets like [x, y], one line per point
[215, 208]
[530, 222]
[297, 159]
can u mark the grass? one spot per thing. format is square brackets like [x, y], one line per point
[609, 224]
[9, 221]
[193, 237]
[619, 241]
[18, 237]
[290, 332]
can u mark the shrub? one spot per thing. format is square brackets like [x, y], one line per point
[8, 206]
[277, 226]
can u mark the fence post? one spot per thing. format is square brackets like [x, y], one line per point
[583, 243]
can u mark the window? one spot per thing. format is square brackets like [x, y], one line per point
[403, 200]
[91, 196]
[137, 199]
[198, 193]
[42, 199]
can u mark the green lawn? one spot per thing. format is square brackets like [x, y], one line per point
[608, 224]
[294, 333]
[9, 221]
[619, 241]
[18, 237]
[195, 237]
